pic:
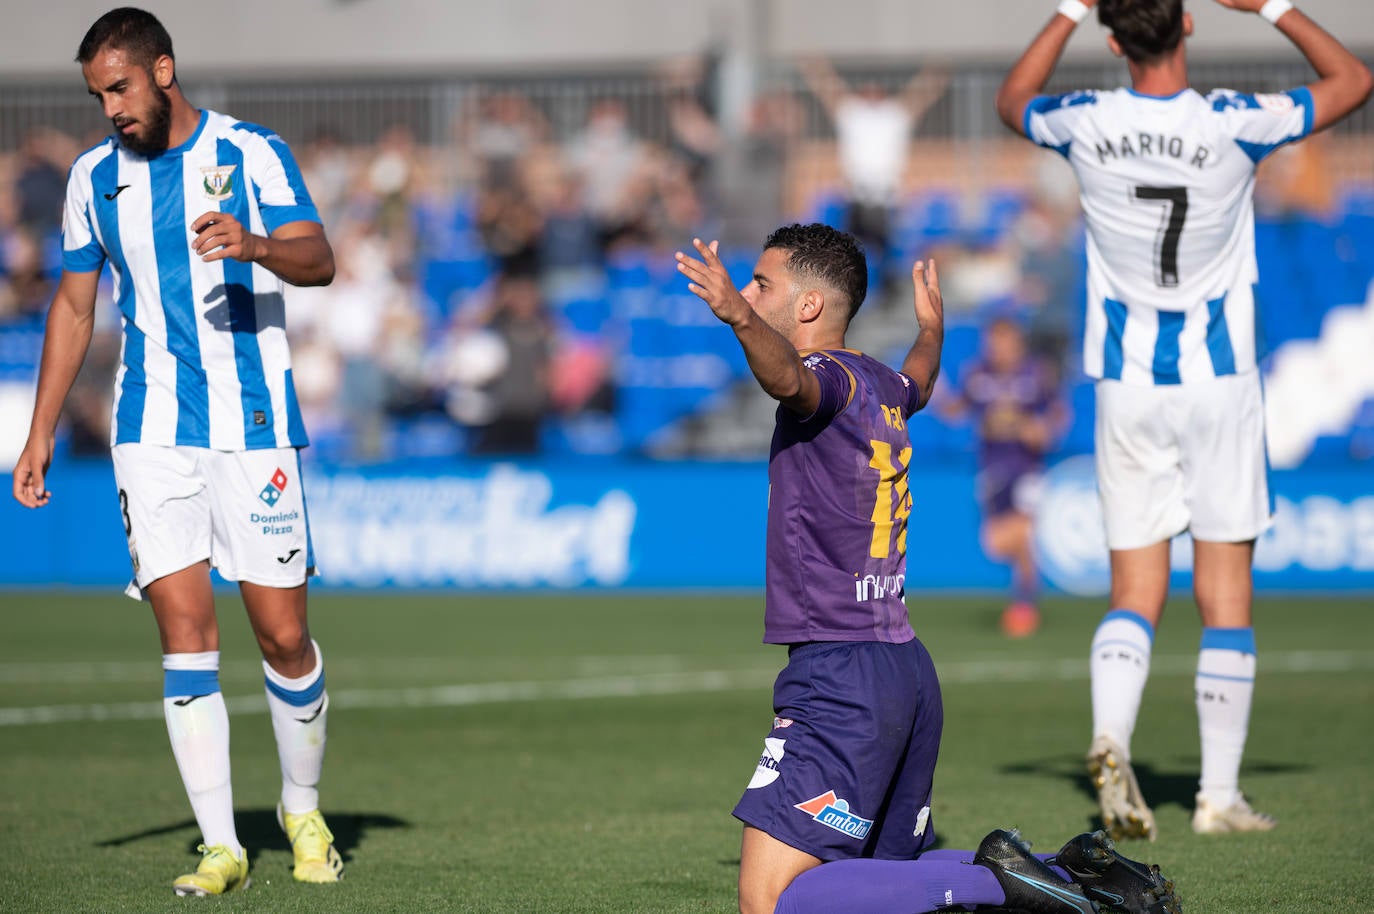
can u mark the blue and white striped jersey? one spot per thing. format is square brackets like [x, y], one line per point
[205, 359]
[1166, 185]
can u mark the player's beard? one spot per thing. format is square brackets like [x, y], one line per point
[157, 127]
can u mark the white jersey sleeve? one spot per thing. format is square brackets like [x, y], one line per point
[1052, 120]
[1260, 124]
[282, 195]
[81, 248]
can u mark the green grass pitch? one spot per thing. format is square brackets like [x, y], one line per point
[568, 754]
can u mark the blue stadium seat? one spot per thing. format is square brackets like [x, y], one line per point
[827, 206]
[1000, 209]
[961, 345]
[443, 282]
[924, 219]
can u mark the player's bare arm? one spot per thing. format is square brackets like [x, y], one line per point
[824, 82]
[1030, 73]
[1344, 83]
[771, 356]
[922, 362]
[298, 252]
[924, 89]
[65, 341]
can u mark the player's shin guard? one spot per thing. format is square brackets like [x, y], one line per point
[1120, 665]
[299, 708]
[198, 725]
[1224, 686]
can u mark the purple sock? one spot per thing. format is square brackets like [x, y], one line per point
[891, 886]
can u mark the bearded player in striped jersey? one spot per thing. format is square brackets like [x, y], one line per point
[201, 218]
[1166, 178]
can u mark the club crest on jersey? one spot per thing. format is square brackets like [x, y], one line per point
[218, 181]
[276, 485]
[1275, 104]
[833, 812]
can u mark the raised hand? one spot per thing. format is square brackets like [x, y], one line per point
[922, 362]
[712, 284]
[928, 302]
[1245, 6]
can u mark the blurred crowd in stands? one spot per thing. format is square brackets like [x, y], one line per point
[512, 291]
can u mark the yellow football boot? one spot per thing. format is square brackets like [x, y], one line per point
[220, 871]
[312, 844]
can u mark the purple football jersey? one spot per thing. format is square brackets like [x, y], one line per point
[837, 507]
[1001, 402]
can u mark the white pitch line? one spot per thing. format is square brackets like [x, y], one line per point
[968, 672]
[104, 672]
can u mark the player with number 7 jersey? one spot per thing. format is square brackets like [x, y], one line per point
[1167, 179]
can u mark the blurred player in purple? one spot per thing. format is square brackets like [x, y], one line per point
[846, 773]
[1014, 402]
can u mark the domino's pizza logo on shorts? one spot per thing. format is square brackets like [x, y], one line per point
[271, 492]
[833, 812]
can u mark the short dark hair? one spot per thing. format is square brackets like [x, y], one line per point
[1146, 29]
[133, 30]
[819, 251]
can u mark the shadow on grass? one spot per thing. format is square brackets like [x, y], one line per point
[1161, 788]
[258, 829]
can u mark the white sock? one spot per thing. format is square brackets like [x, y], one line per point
[1120, 664]
[198, 725]
[299, 708]
[1224, 686]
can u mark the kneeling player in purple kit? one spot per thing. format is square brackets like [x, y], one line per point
[846, 775]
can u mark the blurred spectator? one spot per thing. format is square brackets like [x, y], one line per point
[1296, 181]
[508, 128]
[519, 395]
[1048, 237]
[1017, 414]
[354, 315]
[872, 129]
[694, 137]
[570, 249]
[40, 184]
[609, 160]
[511, 228]
[678, 212]
[318, 376]
[391, 178]
[752, 188]
[26, 285]
[329, 172]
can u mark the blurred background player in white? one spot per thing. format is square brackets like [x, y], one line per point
[201, 218]
[873, 133]
[1166, 181]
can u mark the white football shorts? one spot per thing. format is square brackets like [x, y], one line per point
[1183, 457]
[244, 511]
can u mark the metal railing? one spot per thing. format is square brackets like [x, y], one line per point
[359, 110]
